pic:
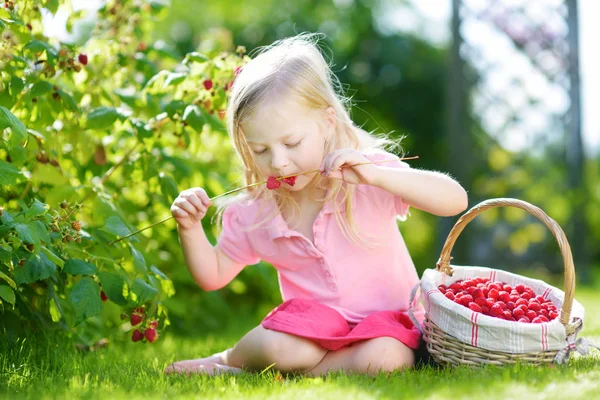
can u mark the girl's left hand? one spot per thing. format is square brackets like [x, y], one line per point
[338, 165]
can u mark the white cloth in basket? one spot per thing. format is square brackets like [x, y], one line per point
[492, 333]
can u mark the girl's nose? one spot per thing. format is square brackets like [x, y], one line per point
[280, 160]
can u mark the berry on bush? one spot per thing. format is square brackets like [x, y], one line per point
[517, 303]
[137, 335]
[151, 334]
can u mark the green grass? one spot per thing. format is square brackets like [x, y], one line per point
[134, 371]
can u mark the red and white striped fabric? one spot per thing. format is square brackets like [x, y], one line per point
[492, 333]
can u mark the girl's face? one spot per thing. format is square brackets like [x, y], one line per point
[287, 138]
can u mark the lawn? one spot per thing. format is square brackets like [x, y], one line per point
[134, 371]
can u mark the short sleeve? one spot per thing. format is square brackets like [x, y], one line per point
[234, 241]
[400, 206]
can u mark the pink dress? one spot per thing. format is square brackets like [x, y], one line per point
[334, 291]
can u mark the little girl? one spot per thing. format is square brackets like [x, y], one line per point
[344, 271]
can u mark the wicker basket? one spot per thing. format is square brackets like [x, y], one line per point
[448, 350]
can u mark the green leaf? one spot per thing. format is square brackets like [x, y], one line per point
[194, 117]
[40, 88]
[101, 117]
[74, 266]
[138, 260]
[7, 219]
[53, 257]
[143, 290]
[142, 128]
[5, 252]
[112, 284]
[68, 100]
[85, 297]
[158, 272]
[8, 280]
[25, 234]
[16, 86]
[36, 209]
[18, 154]
[36, 268]
[194, 57]
[168, 186]
[8, 120]
[116, 226]
[37, 46]
[39, 231]
[175, 78]
[174, 107]
[7, 294]
[9, 174]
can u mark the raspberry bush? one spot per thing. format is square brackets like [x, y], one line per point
[96, 133]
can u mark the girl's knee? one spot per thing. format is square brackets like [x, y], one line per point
[384, 354]
[289, 352]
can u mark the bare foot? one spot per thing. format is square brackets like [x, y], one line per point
[217, 361]
[203, 368]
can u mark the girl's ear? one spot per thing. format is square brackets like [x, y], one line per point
[331, 117]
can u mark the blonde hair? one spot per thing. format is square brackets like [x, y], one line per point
[295, 66]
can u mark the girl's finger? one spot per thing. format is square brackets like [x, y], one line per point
[178, 212]
[195, 200]
[185, 205]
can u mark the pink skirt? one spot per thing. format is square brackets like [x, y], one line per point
[327, 327]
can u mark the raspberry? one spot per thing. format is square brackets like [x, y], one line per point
[534, 306]
[273, 183]
[485, 310]
[103, 295]
[83, 59]
[507, 314]
[136, 319]
[443, 288]
[150, 334]
[477, 293]
[504, 296]
[137, 335]
[526, 295]
[521, 302]
[537, 320]
[153, 323]
[493, 293]
[475, 307]
[449, 295]
[531, 314]
[552, 315]
[466, 300]
[520, 288]
[518, 313]
[290, 181]
[456, 286]
[76, 225]
[496, 311]
[524, 320]
[540, 298]
[510, 305]
[208, 84]
[481, 301]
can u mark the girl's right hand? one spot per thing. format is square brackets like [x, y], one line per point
[190, 207]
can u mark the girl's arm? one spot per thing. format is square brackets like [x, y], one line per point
[430, 191]
[209, 267]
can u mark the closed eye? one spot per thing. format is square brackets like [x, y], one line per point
[291, 146]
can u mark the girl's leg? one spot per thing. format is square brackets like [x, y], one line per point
[384, 354]
[257, 350]
[262, 347]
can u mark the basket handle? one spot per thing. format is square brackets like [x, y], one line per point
[443, 263]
